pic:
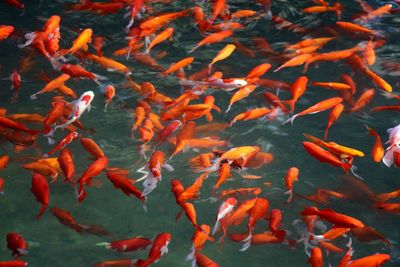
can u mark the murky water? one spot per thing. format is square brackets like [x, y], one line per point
[53, 244]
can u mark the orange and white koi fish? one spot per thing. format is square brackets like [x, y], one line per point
[156, 162]
[79, 107]
[226, 207]
[201, 236]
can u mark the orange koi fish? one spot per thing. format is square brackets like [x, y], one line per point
[332, 85]
[109, 64]
[81, 42]
[93, 170]
[316, 108]
[337, 219]
[257, 212]
[295, 61]
[5, 31]
[333, 117]
[161, 37]
[222, 54]
[325, 156]
[213, 38]
[251, 114]
[183, 137]
[91, 147]
[204, 261]
[364, 99]
[243, 92]
[52, 85]
[178, 65]
[316, 258]
[275, 222]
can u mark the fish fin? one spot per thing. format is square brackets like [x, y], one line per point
[149, 185]
[22, 251]
[215, 228]
[104, 244]
[291, 119]
[247, 242]
[168, 167]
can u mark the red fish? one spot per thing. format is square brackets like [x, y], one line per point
[127, 245]
[41, 191]
[339, 220]
[94, 169]
[63, 143]
[17, 244]
[325, 156]
[67, 166]
[157, 250]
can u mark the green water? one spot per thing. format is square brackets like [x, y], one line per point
[56, 245]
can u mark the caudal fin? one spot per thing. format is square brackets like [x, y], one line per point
[291, 119]
[247, 242]
[41, 211]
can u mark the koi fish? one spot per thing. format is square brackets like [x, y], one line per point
[17, 244]
[41, 191]
[316, 108]
[157, 250]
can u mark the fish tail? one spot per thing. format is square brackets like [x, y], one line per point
[291, 119]
[190, 256]
[149, 184]
[247, 242]
[41, 211]
[346, 166]
[280, 234]
[326, 133]
[228, 109]
[34, 96]
[29, 39]
[290, 193]
[216, 226]
[104, 244]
